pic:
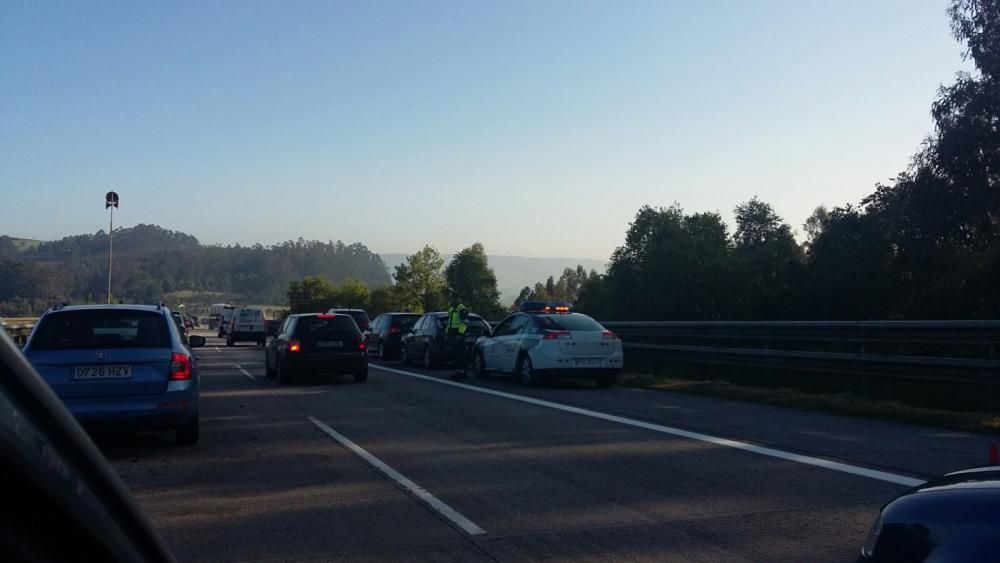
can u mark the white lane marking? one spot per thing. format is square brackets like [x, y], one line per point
[770, 452]
[468, 526]
[227, 364]
[245, 372]
[216, 348]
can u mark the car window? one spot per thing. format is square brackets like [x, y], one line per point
[404, 322]
[574, 321]
[504, 327]
[317, 327]
[519, 324]
[102, 328]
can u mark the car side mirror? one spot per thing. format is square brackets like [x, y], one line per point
[196, 341]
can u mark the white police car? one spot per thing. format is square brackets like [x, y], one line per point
[548, 339]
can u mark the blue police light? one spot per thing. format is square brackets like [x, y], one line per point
[546, 307]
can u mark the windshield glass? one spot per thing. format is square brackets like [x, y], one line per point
[101, 329]
[572, 321]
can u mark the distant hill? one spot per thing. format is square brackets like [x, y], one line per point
[23, 244]
[515, 272]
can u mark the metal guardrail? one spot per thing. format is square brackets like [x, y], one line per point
[18, 328]
[944, 351]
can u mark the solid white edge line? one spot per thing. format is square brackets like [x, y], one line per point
[468, 526]
[245, 372]
[761, 450]
[216, 348]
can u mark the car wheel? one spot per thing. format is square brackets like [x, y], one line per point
[526, 371]
[229, 342]
[284, 374]
[606, 379]
[361, 376]
[479, 366]
[187, 433]
[428, 358]
[381, 351]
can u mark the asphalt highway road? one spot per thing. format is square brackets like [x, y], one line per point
[410, 466]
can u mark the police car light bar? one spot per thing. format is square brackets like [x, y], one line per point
[546, 307]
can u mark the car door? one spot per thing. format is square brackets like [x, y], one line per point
[278, 343]
[411, 340]
[510, 344]
[490, 346]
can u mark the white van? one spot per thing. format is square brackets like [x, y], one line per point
[246, 325]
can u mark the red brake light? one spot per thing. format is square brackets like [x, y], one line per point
[394, 330]
[294, 346]
[180, 367]
[556, 334]
[608, 335]
[325, 316]
[361, 346]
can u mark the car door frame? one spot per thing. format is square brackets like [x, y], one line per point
[491, 348]
[511, 345]
[282, 336]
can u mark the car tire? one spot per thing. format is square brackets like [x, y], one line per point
[428, 358]
[187, 433]
[479, 366]
[526, 372]
[381, 352]
[361, 376]
[284, 374]
[606, 379]
[230, 342]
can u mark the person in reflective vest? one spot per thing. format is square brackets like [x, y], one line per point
[455, 329]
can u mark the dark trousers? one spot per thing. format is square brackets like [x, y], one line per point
[456, 342]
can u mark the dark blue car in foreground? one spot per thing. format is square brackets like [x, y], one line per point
[119, 367]
[955, 517]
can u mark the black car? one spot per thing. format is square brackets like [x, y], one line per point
[952, 518]
[359, 316]
[426, 342]
[323, 343]
[386, 334]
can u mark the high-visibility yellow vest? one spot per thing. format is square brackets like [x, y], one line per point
[455, 321]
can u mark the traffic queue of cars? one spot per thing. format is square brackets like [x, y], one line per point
[131, 366]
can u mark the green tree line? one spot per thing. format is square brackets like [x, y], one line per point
[151, 262]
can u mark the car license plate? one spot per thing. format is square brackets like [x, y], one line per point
[589, 362]
[330, 344]
[102, 372]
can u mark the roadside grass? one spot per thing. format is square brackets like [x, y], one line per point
[841, 403]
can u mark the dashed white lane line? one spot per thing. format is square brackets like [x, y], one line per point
[761, 450]
[468, 526]
[245, 372]
[216, 348]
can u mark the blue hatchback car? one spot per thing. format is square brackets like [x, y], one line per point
[119, 367]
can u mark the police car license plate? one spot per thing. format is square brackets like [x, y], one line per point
[102, 372]
[588, 362]
[330, 344]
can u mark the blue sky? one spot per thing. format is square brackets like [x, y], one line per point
[535, 127]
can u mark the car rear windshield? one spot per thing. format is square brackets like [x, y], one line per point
[572, 321]
[473, 323]
[404, 321]
[249, 314]
[76, 330]
[319, 327]
[359, 317]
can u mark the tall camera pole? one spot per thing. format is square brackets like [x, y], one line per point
[110, 201]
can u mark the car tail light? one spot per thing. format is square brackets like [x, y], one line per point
[556, 334]
[294, 346]
[325, 316]
[394, 330]
[608, 335]
[361, 346]
[180, 367]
